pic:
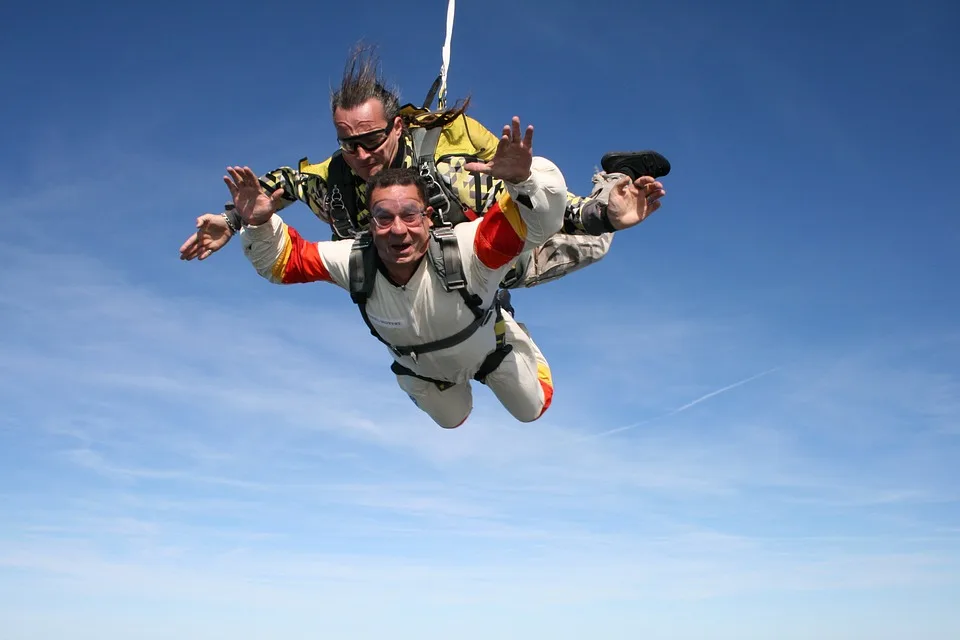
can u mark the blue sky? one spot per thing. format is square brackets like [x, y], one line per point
[757, 410]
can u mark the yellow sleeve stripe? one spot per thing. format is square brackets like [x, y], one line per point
[512, 213]
[280, 266]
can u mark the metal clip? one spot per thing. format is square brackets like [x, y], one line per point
[438, 199]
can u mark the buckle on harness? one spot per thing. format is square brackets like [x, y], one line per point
[362, 241]
[435, 195]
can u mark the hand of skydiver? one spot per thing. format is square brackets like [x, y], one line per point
[632, 201]
[514, 155]
[253, 205]
[213, 233]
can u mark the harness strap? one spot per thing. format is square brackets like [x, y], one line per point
[362, 269]
[342, 197]
[443, 343]
[363, 273]
[495, 357]
[432, 92]
[449, 210]
[444, 252]
[445, 54]
[401, 370]
[454, 278]
[490, 364]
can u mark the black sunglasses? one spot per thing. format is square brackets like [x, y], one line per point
[369, 141]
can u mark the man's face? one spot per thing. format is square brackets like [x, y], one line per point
[368, 141]
[400, 224]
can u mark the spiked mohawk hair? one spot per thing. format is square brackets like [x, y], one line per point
[361, 81]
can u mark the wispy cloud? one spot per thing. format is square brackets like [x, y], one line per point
[688, 405]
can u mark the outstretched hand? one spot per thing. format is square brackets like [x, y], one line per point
[212, 234]
[253, 204]
[514, 155]
[631, 201]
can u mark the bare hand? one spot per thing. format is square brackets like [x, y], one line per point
[632, 201]
[513, 158]
[253, 204]
[213, 233]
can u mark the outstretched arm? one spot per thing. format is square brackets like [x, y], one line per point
[289, 186]
[583, 215]
[613, 207]
[214, 230]
[276, 250]
[282, 256]
[528, 211]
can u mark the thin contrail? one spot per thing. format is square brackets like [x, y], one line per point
[692, 403]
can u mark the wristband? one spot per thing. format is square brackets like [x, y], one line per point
[605, 219]
[233, 220]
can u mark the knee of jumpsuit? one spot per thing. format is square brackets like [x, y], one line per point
[449, 408]
[523, 382]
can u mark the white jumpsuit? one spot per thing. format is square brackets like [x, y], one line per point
[422, 311]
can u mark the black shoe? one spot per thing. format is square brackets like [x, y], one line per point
[636, 163]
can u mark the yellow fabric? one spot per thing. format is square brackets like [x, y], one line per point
[280, 266]
[512, 214]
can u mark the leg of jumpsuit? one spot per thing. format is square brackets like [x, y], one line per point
[448, 408]
[565, 253]
[523, 382]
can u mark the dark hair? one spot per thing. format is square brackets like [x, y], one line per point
[400, 176]
[361, 82]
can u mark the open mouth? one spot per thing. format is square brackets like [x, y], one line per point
[400, 247]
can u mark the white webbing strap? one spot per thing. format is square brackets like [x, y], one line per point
[445, 66]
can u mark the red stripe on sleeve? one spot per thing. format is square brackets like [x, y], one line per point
[303, 262]
[496, 242]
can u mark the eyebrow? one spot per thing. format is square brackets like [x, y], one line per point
[403, 208]
[368, 133]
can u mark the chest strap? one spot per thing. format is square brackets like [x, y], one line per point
[488, 366]
[444, 256]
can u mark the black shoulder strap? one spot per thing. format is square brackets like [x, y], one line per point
[444, 255]
[362, 270]
[342, 196]
[432, 93]
[362, 273]
[444, 252]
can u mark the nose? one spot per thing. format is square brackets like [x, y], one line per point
[362, 154]
[397, 226]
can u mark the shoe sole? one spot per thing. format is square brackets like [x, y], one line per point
[636, 163]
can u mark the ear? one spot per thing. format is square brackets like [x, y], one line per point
[428, 216]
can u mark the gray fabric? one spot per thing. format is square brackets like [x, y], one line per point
[565, 253]
[591, 216]
[559, 256]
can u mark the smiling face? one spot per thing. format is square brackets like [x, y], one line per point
[401, 227]
[368, 140]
